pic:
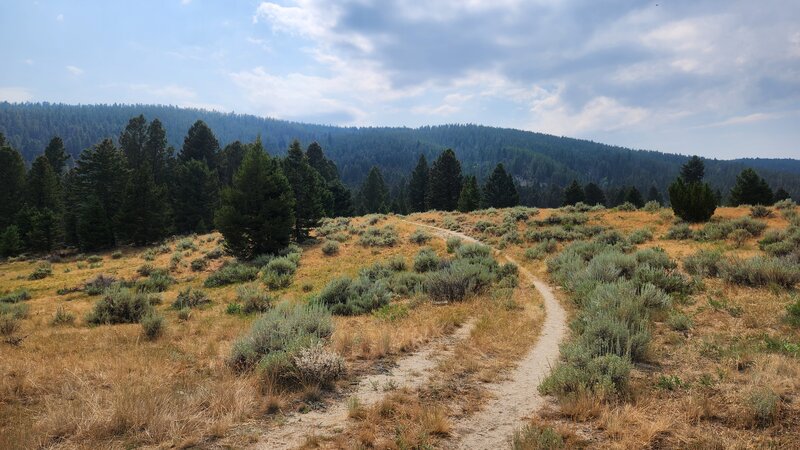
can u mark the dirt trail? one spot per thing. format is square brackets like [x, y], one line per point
[411, 371]
[518, 398]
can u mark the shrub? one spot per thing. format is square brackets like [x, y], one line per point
[190, 298]
[532, 437]
[279, 272]
[458, 281]
[704, 263]
[765, 404]
[175, 260]
[473, 251]
[158, 281]
[99, 284]
[281, 332]
[94, 259]
[397, 263]
[15, 310]
[119, 305]
[20, 295]
[330, 248]
[231, 274]
[426, 260]
[605, 375]
[379, 237]
[541, 249]
[62, 317]
[793, 313]
[42, 271]
[452, 244]
[215, 253]
[116, 255]
[406, 283]
[145, 269]
[184, 314]
[640, 236]
[252, 299]
[739, 237]
[760, 212]
[318, 366]
[186, 244]
[348, 297]
[692, 202]
[679, 232]
[199, 264]
[233, 308]
[679, 322]
[152, 325]
[420, 237]
[760, 271]
[627, 206]
[652, 206]
[149, 254]
[8, 325]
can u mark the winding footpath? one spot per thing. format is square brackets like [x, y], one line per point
[516, 399]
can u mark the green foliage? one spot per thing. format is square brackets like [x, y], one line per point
[750, 189]
[253, 299]
[195, 193]
[541, 249]
[153, 325]
[191, 298]
[704, 263]
[761, 271]
[8, 325]
[692, 202]
[159, 280]
[452, 244]
[198, 265]
[230, 274]
[330, 248]
[349, 297]
[765, 405]
[10, 241]
[679, 322]
[760, 212]
[20, 295]
[426, 260]
[445, 182]
[119, 305]
[379, 237]
[593, 195]
[308, 187]
[98, 284]
[420, 236]
[640, 236]
[574, 194]
[499, 190]
[42, 270]
[12, 172]
[470, 197]
[418, 186]
[532, 437]
[793, 313]
[679, 232]
[200, 145]
[279, 272]
[374, 195]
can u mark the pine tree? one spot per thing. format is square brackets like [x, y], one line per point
[44, 228]
[200, 144]
[132, 142]
[10, 241]
[634, 197]
[72, 200]
[342, 199]
[373, 195]
[12, 184]
[56, 155]
[316, 158]
[418, 186]
[750, 189]
[144, 212]
[42, 225]
[194, 194]
[594, 195]
[654, 196]
[309, 190]
[94, 227]
[693, 202]
[573, 194]
[256, 212]
[499, 190]
[160, 157]
[782, 194]
[339, 203]
[445, 182]
[470, 197]
[693, 171]
[230, 158]
[42, 188]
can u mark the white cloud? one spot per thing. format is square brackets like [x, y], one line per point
[741, 120]
[60, 17]
[28, 62]
[15, 94]
[74, 70]
[171, 94]
[185, 2]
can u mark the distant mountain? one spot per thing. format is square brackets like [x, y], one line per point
[540, 162]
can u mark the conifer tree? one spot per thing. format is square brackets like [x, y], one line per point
[654, 196]
[56, 155]
[750, 189]
[693, 200]
[143, 216]
[634, 197]
[230, 158]
[693, 171]
[12, 184]
[10, 241]
[573, 194]
[499, 190]
[342, 199]
[195, 194]
[310, 194]
[42, 189]
[373, 195]
[782, 194]
[339, 203]
[200, 144]
[316, 158]
[470, 197]
[445, 182]
[594, 195]
[160, 156]
[94, 227]
[256, 212]
[132, 142]
[418, 186]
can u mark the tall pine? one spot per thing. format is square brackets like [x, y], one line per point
[195, 192]
[56, 155]
[12, 183]
[691, 199]
[499, 190]
[750, 189]
[574, 194]
[373, 195]
[310, 194]
[200, 144]
[418, 186]
[470, 197]
[445, 182]
[593, 195]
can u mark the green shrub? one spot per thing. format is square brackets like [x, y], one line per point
[458, 281]
[94, 259]
[531, 437]
[760, 212]
[652, 206]
[186, 244]
[606, 375]
[231, 274]
[62, 317]
[116, 255]
[175, 260]
[99, 284]
[397, 263]
[43, 270]
[452, 244]
[330, 248]
[15, 310]
[158, 281]
[378, 237]
[473, 251]
[119, 305]
[704, 263]
[761, 271]
[20, 295]
[627, 206]
[280, 334]
[198, 264]
[407, 283]
[191, 298]
[640, 236]
[426, 260]
[215, 253]
[793, 313]
[739, 237]
[348, 297]
[145, 269]
[184, 314]
[252, 299]
[679, 322]
[233, 308]
[541, 249]
[765, 405]
[679, 232]
[149, 254]
[279, 272]
[692, 202]
[152, 325]
[8, 325]
[420, 237]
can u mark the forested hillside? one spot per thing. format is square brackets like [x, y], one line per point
[541, 164]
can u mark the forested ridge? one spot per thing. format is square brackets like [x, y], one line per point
[542, 165]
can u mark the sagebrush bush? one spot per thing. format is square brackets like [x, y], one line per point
[20, 295]
[378, 237]
[62, 317]
[119, 305]
[186, 244]
[679, 322]
[230, 274]
[458, 281]
[330, 248]
[8, 325]
[627, 206]
[279, 273]
[652, 206]
[43, 270]
[420, 237]
[765, 405]
[215, 253]
[191, 298]
[760, 212]
[316, 365]
[704, 263]
[739, 237]
[541, 249]
[640, 236]
[253, 299]
[15, 310]
[98, 284]
[679, 232]
[532, 437]
[198, 264]
[426, 260]
[407, 283]
[472, 250]
[159, 281]
[145, 269]
[793, 313]
[348, 297]
[452, 244]
[397, 263]
[94, 259]
[606, 375]
[152, 325]
[761, 271]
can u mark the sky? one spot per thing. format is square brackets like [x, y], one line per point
[718, 78]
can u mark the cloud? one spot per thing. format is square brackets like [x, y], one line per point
[77, 71]
[15, 94]
[170, 94]
[742, 120]
[60, 18]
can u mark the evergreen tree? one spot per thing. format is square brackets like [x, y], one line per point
[42, 225]
[256, 213]
[230, 158]
[373, 194]
[654, 196]
[573, 194]
[399, 198]
[470, 197]
[94, 227]
[593, 195]
[444, 182]
[56, 155]
[44, 230]
[634, 197]
[72, 199]
[693, 171]
[309, 190]
[194, 196]
[499, 190]
[200, 144]
[143, 216]
[781, 194]
[418, 186]
[342, 199]
[132, 142]
[160, 157]
[316, 158]
[42, 189]
[693, 202]
[10, 241]
[750, 189]
[12, 184]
